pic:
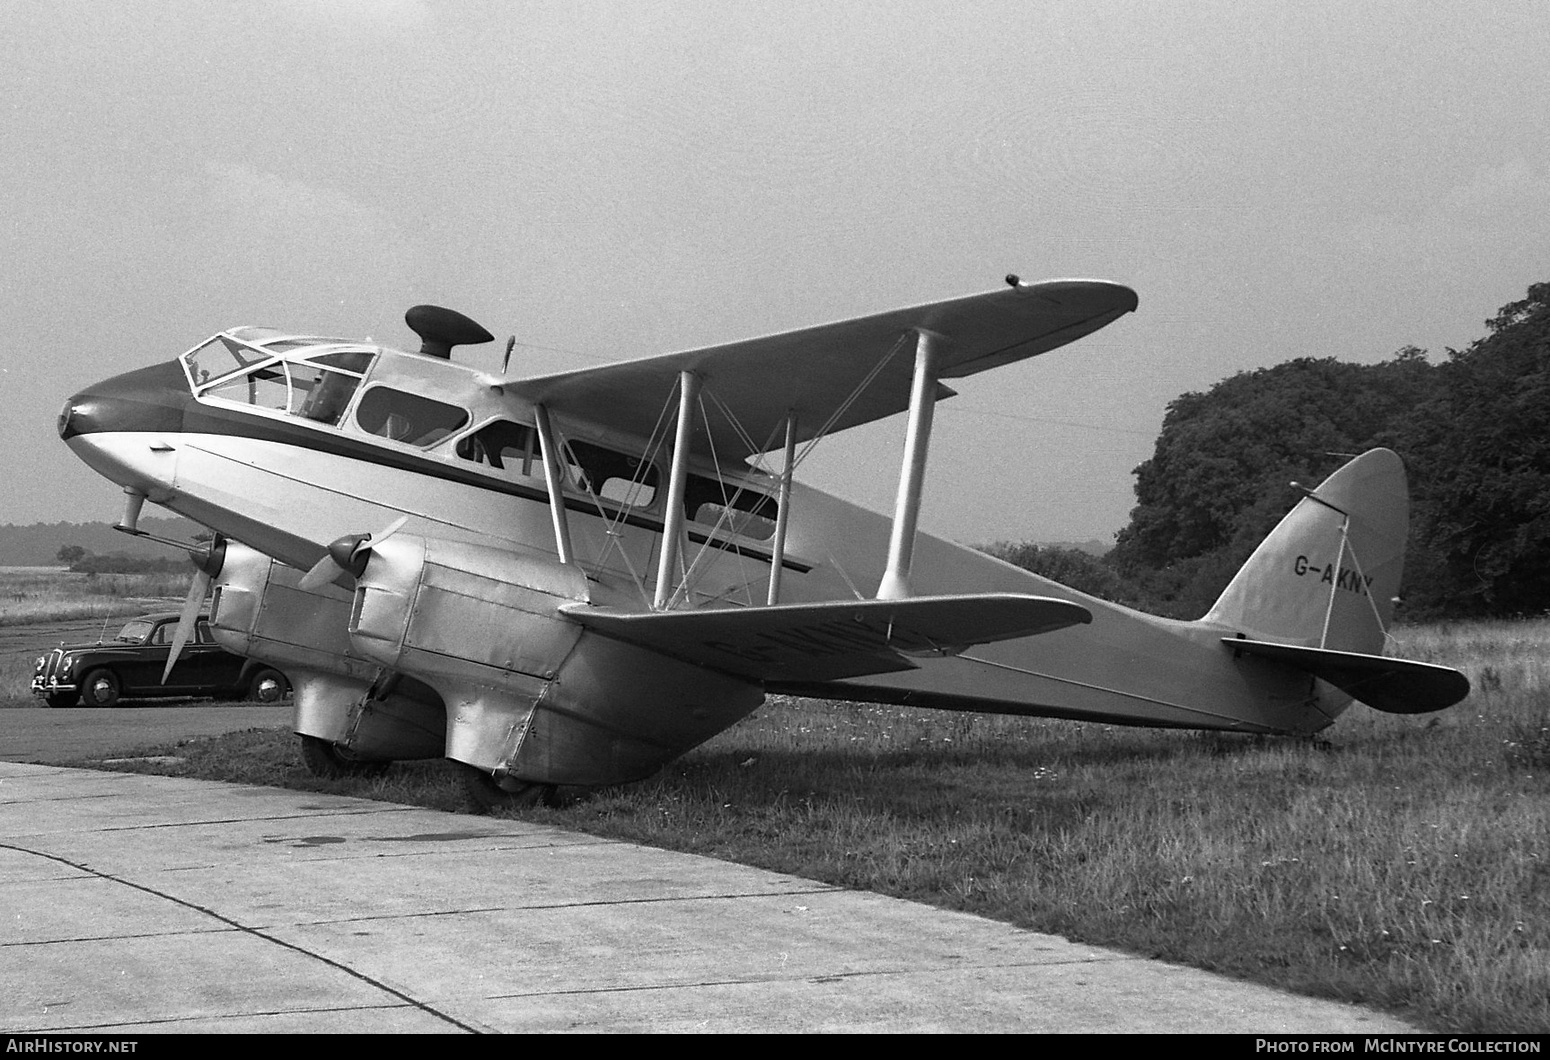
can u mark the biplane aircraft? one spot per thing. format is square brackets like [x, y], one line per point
[572, 578]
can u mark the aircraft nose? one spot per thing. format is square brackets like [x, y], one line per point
[147, 399]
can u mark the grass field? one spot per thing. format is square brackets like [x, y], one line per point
[1399, 862]
[95, 606]
[44, 594]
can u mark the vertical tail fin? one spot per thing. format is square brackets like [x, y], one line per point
[1327, 575]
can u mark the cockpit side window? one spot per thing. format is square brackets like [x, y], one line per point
[511, 448]
[266, 387]
[298, 388]
[275, 373]
[405, 417]
[327, 395]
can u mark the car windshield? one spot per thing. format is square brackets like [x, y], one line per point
[135, 632]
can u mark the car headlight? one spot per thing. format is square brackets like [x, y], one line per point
[64, 664]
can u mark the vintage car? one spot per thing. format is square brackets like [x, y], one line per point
[130, 667]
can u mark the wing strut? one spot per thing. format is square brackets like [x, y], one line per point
[783, 511]
[917, 439]
[549, 450]
[672, 530]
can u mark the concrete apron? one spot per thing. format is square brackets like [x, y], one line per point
[153, 904]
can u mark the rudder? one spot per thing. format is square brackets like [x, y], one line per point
[1327, 575]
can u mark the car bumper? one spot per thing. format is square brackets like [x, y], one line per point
[43, 689]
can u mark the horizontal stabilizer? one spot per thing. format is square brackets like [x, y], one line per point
[1395, 686]
[834, 639]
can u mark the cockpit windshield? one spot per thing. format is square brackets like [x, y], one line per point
[313, 378]
[220, 356]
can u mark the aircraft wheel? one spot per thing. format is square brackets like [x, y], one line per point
[63, 699]
[328, 760]
[268, 686]
[483, 793]
[100, 689]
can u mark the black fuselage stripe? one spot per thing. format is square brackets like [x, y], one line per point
[200, 418]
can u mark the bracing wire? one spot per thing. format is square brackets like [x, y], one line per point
[849, 400]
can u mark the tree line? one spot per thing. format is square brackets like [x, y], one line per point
[1473, 430]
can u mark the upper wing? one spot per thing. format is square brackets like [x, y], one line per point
[1395, 686]
[834, 639]
[812, 372]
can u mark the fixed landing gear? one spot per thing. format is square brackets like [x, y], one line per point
[328, 760]
[483, 793]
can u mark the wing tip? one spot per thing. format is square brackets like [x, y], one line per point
[1125, 297]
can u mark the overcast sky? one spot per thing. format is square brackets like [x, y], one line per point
[610, 180]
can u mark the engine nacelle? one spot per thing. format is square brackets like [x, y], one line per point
[530, 694]
[478, 624]
[260, 611]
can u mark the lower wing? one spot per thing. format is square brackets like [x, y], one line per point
[835, 639]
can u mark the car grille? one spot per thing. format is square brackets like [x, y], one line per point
[50, 665]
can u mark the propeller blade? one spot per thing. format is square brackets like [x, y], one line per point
[321, 573]
[197, 587]
[373, 540]
[347, 555]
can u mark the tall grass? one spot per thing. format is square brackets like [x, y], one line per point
[1402, 862]
[38, 594]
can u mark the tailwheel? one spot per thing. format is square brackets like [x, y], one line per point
[328, 760]
[483, 793]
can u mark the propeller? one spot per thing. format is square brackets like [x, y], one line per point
[347, 555]
[207, 564]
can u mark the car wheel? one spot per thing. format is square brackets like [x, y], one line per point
[100, 689]
[268, 686]
[483, 793]
[328, 760]
[62, 699]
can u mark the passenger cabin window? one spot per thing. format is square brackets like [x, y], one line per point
[406, 417]
[508, 447]
[610, 475]
[735, 509]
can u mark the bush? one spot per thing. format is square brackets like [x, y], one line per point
[1072, 568]
[120, 563]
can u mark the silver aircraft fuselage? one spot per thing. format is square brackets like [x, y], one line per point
[286, 485]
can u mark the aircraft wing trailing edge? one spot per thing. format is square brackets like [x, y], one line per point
[1394, 686]
[813, 372]
[834, 639]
